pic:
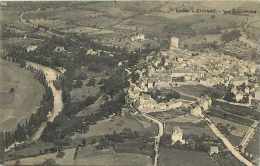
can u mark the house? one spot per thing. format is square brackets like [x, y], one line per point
[174, 43]
[31, 48]
[196, 111]
[173, 104]
[213, 150]
[138, 37]
[205, 103]
[177, 135]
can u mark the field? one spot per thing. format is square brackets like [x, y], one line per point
[107, 158]
[238, 130]
[68, 158]
[111, 157]
[117, 124]
[26, 96]
[174, 157]
[254, 146]
[15, 41]
[240, 111]
[117, 160]
[190, 128]
[152, 18]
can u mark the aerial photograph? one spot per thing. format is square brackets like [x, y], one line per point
[130, 83]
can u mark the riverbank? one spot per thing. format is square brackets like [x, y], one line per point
[51, 76]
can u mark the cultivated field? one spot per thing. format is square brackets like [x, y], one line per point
[117, 124]
[106, 157]
[174, 157]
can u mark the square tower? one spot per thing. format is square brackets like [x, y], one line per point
[174, 43]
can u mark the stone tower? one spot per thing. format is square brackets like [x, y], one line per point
[174, 43]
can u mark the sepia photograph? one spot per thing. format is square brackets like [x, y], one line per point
[130, 83]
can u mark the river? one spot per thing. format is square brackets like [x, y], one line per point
[51, 76]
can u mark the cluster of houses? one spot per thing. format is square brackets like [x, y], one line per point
[175, 67]
[240, 91]
[145, 103]
[200, 106]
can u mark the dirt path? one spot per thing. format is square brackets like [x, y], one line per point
[157, 138]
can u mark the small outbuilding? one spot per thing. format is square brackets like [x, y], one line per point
[213, 150]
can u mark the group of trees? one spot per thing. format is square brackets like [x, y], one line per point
[111, 139]
[116, 83]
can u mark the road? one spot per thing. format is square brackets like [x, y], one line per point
[157, 138]
[249, 135]
[223, 138]
[227, 143]
[50, 75]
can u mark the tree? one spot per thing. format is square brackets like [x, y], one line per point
[11, 90]
[20, 133]
[116, 83]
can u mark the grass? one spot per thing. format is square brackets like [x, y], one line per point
[67, 159]
[242, 111]
[254, 145]
[27, 94]
[174, 157]
[194, 90]
[117, 159]
[189, 128]
[239, 131]
[117, 124]
[16, 41]
[104, 157]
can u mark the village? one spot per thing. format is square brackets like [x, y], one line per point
[140, 83]
[154, 90]
[174, 67]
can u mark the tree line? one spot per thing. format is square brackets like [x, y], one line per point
[25, 130]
